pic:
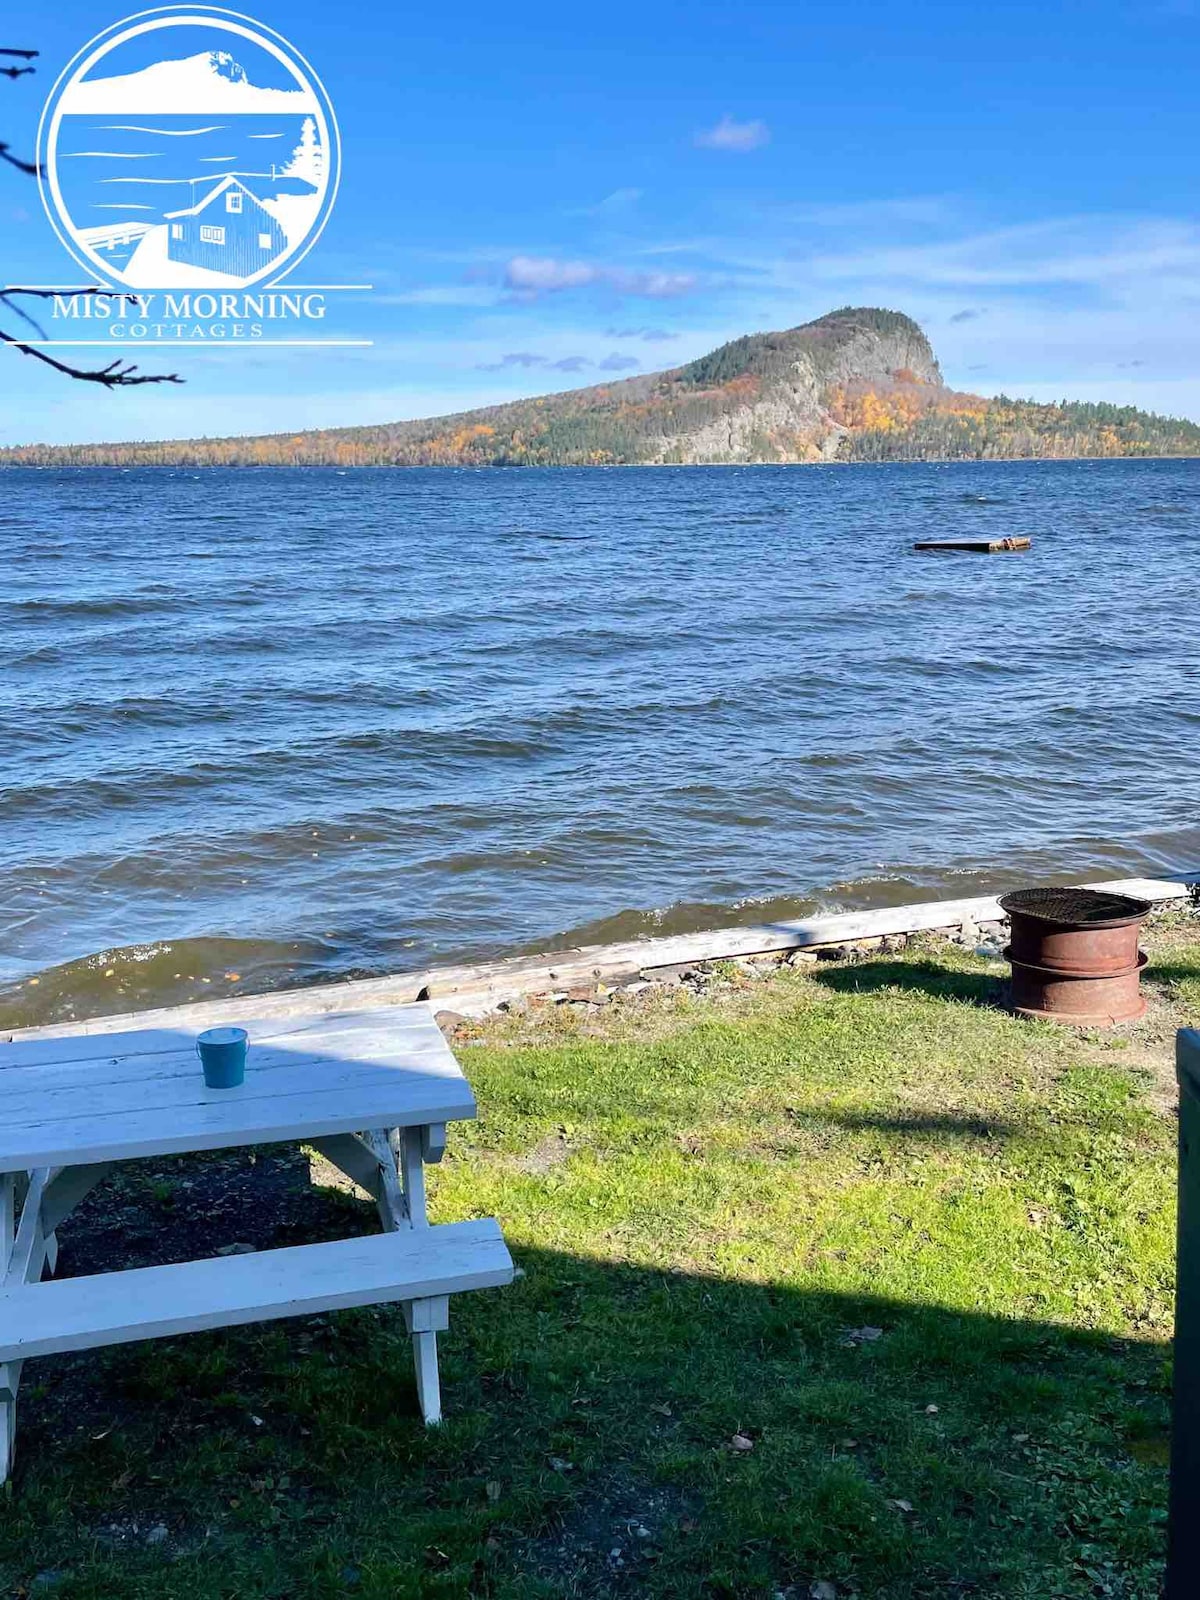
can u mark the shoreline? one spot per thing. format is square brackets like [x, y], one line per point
[478, 989]
[512, 466]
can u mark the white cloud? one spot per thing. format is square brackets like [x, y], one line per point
[531, 276]
[545, 275]
[728, 134]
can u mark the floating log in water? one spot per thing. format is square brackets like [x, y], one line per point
[982, 547]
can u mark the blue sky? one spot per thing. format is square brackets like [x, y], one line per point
[543, 196]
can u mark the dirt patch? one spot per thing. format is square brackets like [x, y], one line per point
[189, 1207]
[609, 1539]
[548, 1153]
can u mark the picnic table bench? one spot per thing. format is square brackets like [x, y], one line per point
[372, 1091]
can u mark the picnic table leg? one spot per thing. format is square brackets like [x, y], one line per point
[29, 1248]
[424, 1319]
[8, 1380]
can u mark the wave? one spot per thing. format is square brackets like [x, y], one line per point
[341, 725]
[164, 133]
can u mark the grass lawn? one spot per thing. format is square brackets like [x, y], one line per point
[838, 1282]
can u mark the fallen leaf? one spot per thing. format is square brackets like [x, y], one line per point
[931, 1411]
[863, 1335]
[822, 1589]
[741, 1442]
[492, 1489]
[663, 1410]
[1020, 1438]
[901, 1505]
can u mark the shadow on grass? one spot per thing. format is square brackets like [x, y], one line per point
[1171, 973]
[920, 1124]
[612, 1430]
[925, 977]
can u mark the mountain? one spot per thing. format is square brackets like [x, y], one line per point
[855, 385]
[204, 84]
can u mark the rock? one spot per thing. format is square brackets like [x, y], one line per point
[237, 1250]
[447, 1021]
[832, 952]
[157, 1534]
[802, 958]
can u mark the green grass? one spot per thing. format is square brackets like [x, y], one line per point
[917, 1253]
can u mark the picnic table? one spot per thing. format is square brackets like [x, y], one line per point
[372, 1091]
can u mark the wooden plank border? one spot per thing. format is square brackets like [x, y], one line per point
[477, 989]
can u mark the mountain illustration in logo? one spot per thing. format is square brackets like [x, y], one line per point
[209, 83]
[202, 168]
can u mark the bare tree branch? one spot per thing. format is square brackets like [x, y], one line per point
[118, 374]
[29, 167]
[10, 295]
[18, 72]
[30, 321]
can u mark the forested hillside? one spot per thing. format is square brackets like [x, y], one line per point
[855, 385]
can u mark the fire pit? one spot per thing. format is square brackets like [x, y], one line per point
[1074, 955]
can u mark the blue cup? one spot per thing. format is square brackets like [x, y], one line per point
[222, 1053]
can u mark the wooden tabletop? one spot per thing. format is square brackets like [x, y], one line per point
[107, 1097]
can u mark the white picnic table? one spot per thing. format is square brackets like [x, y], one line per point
[372, 1091]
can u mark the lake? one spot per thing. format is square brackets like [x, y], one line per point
[277, 726]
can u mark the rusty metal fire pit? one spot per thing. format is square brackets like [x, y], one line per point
[1074, 955]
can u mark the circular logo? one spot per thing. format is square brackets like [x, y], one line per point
[188, 148]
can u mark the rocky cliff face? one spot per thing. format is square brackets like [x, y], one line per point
[796, 385]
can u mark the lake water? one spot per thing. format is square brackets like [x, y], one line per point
[296, 725]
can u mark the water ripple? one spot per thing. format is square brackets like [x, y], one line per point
[276, 726]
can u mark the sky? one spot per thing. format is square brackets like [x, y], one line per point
[545, 196]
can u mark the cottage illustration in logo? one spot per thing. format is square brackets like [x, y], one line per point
[188, 148]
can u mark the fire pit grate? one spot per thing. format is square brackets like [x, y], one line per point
[1090, 908]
